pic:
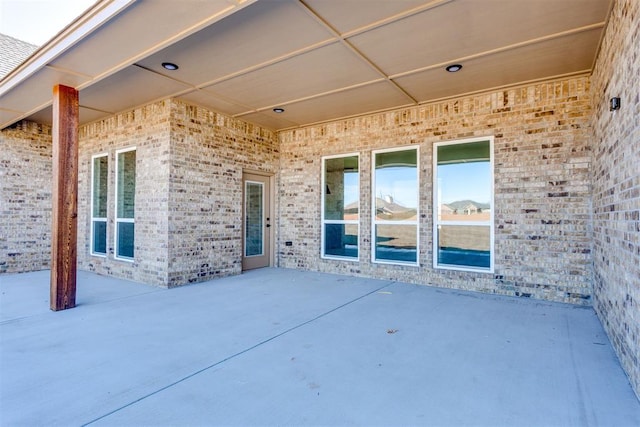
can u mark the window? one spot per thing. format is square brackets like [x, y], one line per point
[99, 177]
[341, 207]
[125, 203]
[395, 206]
[463, 197]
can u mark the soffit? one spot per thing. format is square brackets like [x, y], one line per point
[265, 32]
[133, 33]
[132, 86]
[463, 28]
[309, 74]
[104, 42]
[568, 54]
[319, 60]
[345, 103]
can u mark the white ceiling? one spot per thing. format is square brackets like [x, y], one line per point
[318, 59]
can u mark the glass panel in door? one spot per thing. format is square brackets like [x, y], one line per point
[254, 222]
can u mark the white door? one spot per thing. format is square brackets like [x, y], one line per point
[256, 232]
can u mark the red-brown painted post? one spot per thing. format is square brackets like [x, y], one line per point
[64, 197]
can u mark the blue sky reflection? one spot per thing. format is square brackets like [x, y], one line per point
[399, 183]
[464, 181]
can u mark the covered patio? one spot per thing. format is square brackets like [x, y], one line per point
[286, 347]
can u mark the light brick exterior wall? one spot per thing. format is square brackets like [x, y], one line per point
[148, 129]
[188, 201]
[567, 189]
[542, 188]
[616, 185]
[209, 152]
[25, 197]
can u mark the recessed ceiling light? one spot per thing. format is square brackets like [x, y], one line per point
[278, 110]
[453, 68]
[169, 66]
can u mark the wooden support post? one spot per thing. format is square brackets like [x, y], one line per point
[64, 245]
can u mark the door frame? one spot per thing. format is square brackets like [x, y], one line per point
[270, 213]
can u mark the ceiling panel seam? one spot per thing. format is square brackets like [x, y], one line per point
[67, 71]
[51, 51]
[354, 50]
[316, 95]
[27, 113]
[8, 110]
[490, 52]
[391, 19]
[64, 41]
[142, 67]
[216, 95]
[96, 109]
[164, 43]
[194, 88]
[266, 64]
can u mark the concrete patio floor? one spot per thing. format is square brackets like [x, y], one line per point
[284, 347]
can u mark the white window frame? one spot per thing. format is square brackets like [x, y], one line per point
[93, 218]
[117, 219]
[437, 222]
[325, 221]
[375, 222]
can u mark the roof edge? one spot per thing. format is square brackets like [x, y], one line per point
[76, 31]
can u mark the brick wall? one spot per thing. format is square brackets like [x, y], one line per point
[542, 188]
[148, 129]
[25, 197]
[616, 185]
[209, 152]
[188, 196]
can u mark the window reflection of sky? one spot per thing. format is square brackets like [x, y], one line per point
[399, 183]
[464, 181]
[351, 187]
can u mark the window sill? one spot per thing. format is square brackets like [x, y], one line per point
[400, 263]
[463, 269]
[98, 255]
[340, 258]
